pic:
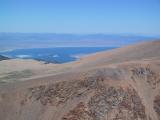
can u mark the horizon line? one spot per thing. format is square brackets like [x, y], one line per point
[64, 33]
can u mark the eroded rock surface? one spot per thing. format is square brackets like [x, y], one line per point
[107, 102]
[58, 93]
[80, 112]
[117, 103]
[145, 73]
[157, 105]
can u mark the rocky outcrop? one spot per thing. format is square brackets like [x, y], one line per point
[97, 94]
[80, 112]
[146, 74]
[157, 105]
[107, 102]
[117, 103]
[61, 92]
[110, 104]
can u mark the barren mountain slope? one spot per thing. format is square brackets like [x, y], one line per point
[94, 89]
[144, 50]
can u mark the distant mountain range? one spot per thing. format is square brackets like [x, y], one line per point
[39, 40]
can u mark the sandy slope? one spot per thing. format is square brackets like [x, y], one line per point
[123, 84]
[20, 70]
[139, 51]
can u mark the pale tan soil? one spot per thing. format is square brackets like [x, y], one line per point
[122, 84]
[19, 69]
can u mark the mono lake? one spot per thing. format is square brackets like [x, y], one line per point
[54, 55]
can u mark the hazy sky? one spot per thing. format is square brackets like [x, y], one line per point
[81, 16]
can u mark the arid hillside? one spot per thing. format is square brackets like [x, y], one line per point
[122, 84]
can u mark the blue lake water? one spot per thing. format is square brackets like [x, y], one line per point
[54, 55]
